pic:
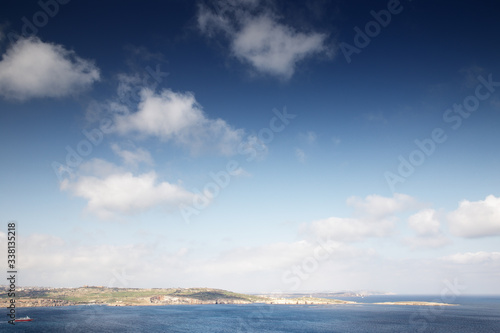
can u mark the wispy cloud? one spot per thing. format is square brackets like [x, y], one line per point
[373, 216]
[300, 154]
[309, 137]
[133, 157]
[31, 68]
[470, 75]
[469, 258]
[257, 37]
[53, 261]
[375, 117]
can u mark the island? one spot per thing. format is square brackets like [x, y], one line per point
[99, 295]
[416, 303]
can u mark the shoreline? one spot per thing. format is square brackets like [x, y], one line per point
[59, 303]
[99, 295]
[416, 303]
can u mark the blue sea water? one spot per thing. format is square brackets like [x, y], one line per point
[474, 314]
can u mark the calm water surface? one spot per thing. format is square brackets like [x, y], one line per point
[475, 314]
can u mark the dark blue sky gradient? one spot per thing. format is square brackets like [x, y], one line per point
[353, 122]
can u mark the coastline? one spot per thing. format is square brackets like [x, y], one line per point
[29, 303]
[415, 303]
[56, 297]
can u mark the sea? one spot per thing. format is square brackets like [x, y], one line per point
[473, 314]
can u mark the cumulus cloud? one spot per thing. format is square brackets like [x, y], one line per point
[118, 191]
[179, 117]
[374, 216]
[257, 38]
[425, 223]
[427, 227]
[273, 48]
[476, 218]
[31, 68]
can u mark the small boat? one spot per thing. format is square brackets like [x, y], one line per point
[19, 320]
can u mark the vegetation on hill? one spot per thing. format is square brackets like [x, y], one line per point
[130, 296]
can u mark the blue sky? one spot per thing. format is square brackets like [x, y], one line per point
[251, 145]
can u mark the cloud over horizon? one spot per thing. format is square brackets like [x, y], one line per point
[373, 216]
[470, 258]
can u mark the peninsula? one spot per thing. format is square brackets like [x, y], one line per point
[98, 295]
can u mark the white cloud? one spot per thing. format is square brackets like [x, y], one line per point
[224, 15]
[255, 259]
[253, 146]
[377, 206]
[52, 261]
[133, 158]
[276, 257]
[257, 38]
[306, 264]
[31, 68]
[300, 154]
[374, 217]
[178, 117]
[240, 172]
[428, 230]
[425, 223]
[121, 192]
[308, 137]
[274, 48]
[99, 168]
[480, 257]
[350, 229]
[476, 218]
